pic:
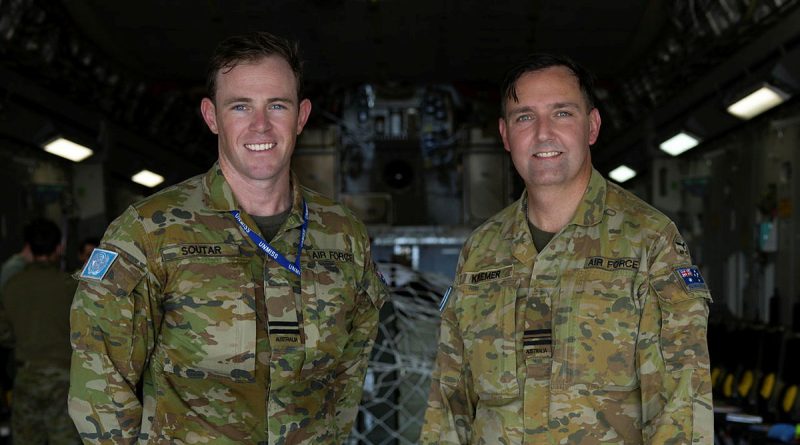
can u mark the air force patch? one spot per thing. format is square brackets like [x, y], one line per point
[680, 246]
[98, 265]
[691, 277]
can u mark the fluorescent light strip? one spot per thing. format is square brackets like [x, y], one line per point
[68, 150]
[147, 178]
[622, 173]
[758, 102]
[679, 143]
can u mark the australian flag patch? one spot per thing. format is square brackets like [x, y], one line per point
[691, 277]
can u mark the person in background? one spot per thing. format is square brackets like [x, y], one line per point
[576, 315]
[34, 320]
[245, 304]
[11, 266]
[85, 249]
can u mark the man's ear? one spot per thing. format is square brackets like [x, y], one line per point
[303, 111]
[209, 112]
[501, 124]
[594, 126]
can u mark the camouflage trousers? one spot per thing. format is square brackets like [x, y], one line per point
[39, 407]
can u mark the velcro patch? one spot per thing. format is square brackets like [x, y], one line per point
[538, 343]
[284, 331]
[691, 277]
[599, 262]
[331, 255]
[487, 275]
[98, 264]
[680, 246]
[181, 251]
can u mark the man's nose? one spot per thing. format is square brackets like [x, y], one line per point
[260, 121]
[543, 128]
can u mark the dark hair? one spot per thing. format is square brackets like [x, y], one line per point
[251, 47]
[538, 62]
[43, 236]
[90, 241]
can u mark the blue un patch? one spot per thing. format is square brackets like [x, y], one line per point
[691, 277]
[98, 264]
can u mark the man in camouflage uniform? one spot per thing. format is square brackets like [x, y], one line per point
[236, 334]
[34, 320]
[576, 316]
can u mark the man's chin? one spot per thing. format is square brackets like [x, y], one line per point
[267, 175]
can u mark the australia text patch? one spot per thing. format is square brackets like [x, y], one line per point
[284, 331]
[98, 264]
[538, 343]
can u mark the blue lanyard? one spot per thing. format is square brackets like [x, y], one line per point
[269, 250]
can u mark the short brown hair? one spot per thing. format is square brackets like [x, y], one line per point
[249, 48]
[539, 61]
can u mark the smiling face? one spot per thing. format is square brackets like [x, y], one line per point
[257, 116]
[548, 131]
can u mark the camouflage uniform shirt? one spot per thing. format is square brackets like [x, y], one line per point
[227, 345]
[598, 339]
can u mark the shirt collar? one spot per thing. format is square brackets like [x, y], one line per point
[593, 205]
[296, 216]
[516, 229]
[589, 212]
[217, 192]
[219, 196]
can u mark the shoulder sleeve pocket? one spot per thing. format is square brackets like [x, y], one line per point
[681, 284]
[119, 280]
[103, 307]
[683, 304]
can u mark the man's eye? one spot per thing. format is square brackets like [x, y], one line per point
[524, 117]
[240, 107]
[563, 114]
[277, 107]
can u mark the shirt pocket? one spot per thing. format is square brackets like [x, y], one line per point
[603, 328]
[209, 326]
[487, 318]
[328, 300]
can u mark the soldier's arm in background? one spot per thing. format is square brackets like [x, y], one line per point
[673, 350]
[355, 356]
[112, 326]
[450, 411]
